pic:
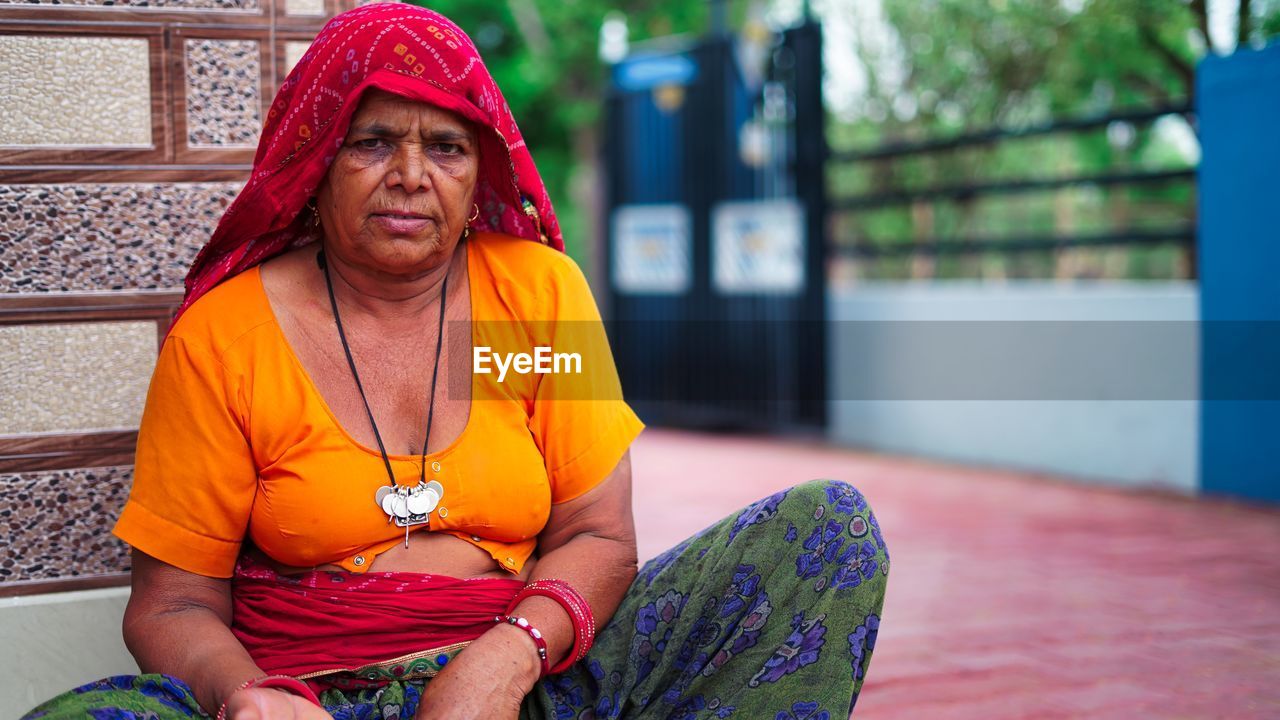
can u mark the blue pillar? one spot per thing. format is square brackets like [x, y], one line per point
[1238, 107]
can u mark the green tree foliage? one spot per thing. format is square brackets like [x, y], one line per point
[971, 64]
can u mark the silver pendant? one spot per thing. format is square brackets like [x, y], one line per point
[407, 506]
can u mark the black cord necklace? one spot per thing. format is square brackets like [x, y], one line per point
[404, 505]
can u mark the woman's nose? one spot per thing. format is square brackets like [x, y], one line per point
[409, 169]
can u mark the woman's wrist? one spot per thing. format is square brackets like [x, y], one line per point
[519, 647]
[540, 644]
[279, 683]
[575, 608]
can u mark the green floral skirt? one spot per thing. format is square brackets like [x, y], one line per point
[771, 613]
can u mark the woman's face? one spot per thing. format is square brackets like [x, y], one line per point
[399, 191]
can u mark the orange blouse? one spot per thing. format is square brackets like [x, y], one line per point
[236, 439]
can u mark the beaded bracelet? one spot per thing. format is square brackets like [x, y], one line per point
[584, 627]
[279, 682]
[538, 640]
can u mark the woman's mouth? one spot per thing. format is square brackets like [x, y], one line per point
[402, 223]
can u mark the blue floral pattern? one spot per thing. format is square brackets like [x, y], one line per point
[803, 711]
[653, 628]
[823, 546]
[756, 513]
[845, 498]
[801, 648]
[861, 642]
[655, 566]
[857, 563]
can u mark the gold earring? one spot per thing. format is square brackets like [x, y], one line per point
[466, 229]
[314, 222]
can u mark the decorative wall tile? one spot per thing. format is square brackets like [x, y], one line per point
[74, 377]
[304, 7]
[224, 94]
[58, 524]
[152, 4]
[70, 90]
[105, 237]
[293, 52]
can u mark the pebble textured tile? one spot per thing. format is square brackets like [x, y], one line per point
[74, 377]
[58, 524]
[70, 90]
[104, 237]
[304, 7]
[224, 97]
[155, 4]
[293, 52]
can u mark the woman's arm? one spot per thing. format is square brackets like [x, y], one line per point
[179, 623]
[589, 542]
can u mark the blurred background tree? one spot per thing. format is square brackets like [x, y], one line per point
[936, 68]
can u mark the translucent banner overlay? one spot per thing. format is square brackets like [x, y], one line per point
[890, 360]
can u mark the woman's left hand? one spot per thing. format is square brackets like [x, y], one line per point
[488, 679]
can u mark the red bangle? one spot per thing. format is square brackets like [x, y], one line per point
[538, 640]
[584, 627]
[279, 682]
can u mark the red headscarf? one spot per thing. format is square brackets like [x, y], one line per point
[403, 49]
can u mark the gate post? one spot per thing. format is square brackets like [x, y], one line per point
[811, 187]
[1238, 107]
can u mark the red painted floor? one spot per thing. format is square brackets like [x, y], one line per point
[1016, 596]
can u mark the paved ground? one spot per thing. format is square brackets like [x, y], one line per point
[1015, 596]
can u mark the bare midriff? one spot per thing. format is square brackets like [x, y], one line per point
[430, 553]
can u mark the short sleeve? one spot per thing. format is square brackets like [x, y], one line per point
[579, 419]
[194, 478]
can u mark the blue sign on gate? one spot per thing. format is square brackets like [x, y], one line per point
[646, 72]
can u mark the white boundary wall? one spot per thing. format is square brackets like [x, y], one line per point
[1118, 442]
[57, 641]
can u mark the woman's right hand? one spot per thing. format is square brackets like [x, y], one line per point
[272, 704]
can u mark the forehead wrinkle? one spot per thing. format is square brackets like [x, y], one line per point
[431, 131]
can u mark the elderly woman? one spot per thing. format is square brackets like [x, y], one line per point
[333, 515]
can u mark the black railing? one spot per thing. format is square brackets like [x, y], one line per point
[969, 191]
[1181, 235]
[990, 136]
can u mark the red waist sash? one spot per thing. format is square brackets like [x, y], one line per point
[341, 629]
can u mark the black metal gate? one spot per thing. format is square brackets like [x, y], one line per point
[716, 250]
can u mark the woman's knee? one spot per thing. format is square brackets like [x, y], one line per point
[834, 502]
[834, 495]
[826, 502]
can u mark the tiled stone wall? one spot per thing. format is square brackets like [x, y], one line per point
[224, 94]
[77, 91]
[74, 377]
[58, 524]
[97, 198]
[293, 52]
[104, 237]
[304, 7]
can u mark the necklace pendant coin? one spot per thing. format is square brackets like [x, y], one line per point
[399, 505]
[388, 503]
[420, 503]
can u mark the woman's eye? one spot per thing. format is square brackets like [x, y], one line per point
[369, 143]
[449, 148]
